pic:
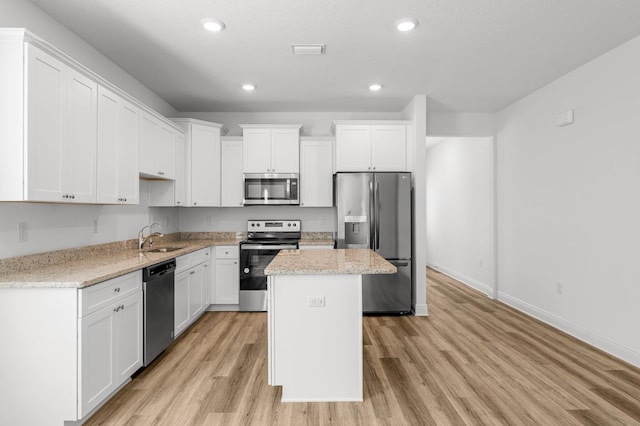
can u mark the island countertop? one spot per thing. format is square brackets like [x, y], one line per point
[329, 262]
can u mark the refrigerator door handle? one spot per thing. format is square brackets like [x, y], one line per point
[372, 215]
[377, 198]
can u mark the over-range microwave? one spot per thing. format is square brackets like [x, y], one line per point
[271, 188]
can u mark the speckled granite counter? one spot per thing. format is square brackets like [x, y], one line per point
[316, 239]
[84, 266]
[329, 262]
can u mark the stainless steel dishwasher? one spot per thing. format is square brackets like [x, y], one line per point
[158, 286]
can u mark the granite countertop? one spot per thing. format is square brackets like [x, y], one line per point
[78, 268]
[316, 239]
[329, 262]
[316, 242]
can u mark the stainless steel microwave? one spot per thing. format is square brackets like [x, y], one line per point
[271, 188]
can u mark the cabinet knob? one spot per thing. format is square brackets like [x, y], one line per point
[73, 197]
[177, 202]
[195, 204]
[124, 199]
[161, 173]
[235, 262]
[117, 289]
[192, 272]
[65, 196]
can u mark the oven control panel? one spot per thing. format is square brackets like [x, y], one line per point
[273, 225]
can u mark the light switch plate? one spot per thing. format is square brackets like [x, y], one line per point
[316, 301]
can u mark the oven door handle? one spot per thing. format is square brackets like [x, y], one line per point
[267, 247]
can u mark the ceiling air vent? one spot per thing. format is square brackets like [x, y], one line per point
[308, 49]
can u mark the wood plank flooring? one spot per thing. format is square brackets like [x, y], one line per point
[473, 361]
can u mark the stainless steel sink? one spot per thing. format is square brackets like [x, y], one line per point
[167, 249]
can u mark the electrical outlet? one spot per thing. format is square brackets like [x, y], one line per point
[22, 232]
[316, 301]
[559, 287]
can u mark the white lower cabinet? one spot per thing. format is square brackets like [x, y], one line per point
[192, 288]
[227, 276]
[109, 338]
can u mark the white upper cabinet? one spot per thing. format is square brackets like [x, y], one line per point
[202, 162]
[117, 181]
[371, 146]
[48, 138]
[316, 172]
[70, 136]
[231, 186]
[271, 148]
[157, 148]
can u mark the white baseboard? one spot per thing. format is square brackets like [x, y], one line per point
[223, 308]
[587, 336]
[478, 285]
[420, 310]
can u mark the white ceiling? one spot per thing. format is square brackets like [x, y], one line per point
[466, 55]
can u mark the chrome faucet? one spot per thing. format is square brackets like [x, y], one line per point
[142, 239]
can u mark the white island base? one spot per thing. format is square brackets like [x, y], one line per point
[315, 336]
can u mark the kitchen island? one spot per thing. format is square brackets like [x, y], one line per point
[315, 322]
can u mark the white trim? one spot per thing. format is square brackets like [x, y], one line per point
[321, 400]
[574, 330]
[420, 310]
[475, 284]
[223, 308]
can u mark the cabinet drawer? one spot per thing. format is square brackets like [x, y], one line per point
[98, 296]
[192, 259]
[226, 252]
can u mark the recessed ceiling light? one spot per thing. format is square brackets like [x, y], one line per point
[406, 24]
[249, 87]
[213, 25]
[375, 87]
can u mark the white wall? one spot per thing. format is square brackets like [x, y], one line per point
[61, 226]
[460, 124]
[460, 210]
[416, 111]
[229, 219]
[569, 203]
[313, 123]
[24, 14]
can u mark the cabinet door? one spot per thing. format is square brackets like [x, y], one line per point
[353, 148]
[167, 152]
[256, 151]
[107, 167]
[316, 173]
[128, 345]
[128, 174]
[231, 174]
[389, 148]
[97, 358]
[206, 285]
[180, 185]
[80, 139]
[117, 165]
[46, 109]
[149, 136]
[205, 166]
[181, 302]
[196, 292]
[227, 282]
[285, 150]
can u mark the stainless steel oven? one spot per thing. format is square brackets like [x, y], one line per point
[271, 189]
[265, 240]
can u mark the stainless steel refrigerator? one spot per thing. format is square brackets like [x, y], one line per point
[374, 211]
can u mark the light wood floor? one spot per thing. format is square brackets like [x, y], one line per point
[472, 361]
